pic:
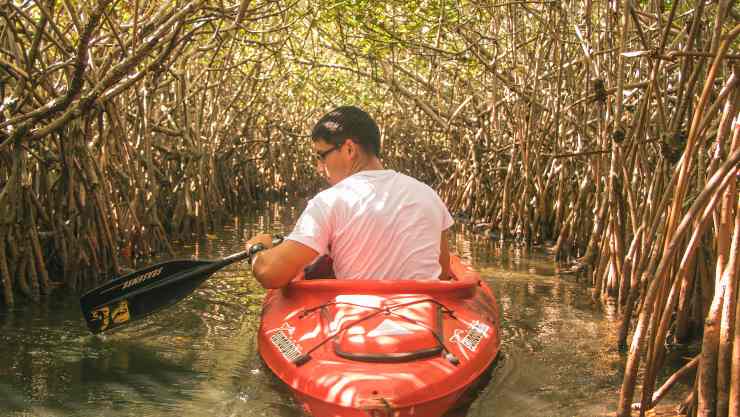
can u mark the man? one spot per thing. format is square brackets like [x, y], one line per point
[374, 223]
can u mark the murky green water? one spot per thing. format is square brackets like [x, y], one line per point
[198, 358]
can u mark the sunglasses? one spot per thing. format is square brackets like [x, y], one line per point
[321, 155]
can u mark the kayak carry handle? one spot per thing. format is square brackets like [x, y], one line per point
[302, 360]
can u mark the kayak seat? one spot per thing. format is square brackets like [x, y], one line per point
[321, 268]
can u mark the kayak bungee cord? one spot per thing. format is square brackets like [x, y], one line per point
[302, 359]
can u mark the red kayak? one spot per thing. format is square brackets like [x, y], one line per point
[349, 348]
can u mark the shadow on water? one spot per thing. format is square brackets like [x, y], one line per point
[198, 358]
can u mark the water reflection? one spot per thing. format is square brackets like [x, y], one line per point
[558, 349]
[199, 357]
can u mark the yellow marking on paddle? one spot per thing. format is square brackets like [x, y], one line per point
[121, 313]
[116, 314]
[102, 315]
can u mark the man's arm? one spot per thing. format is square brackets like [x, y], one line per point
[444, 256]
[277, 266]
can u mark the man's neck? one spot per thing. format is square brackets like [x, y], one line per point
[369, 164]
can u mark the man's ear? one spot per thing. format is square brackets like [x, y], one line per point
[351, 147]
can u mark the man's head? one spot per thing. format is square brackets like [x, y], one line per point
[345, 140]
[348, 122]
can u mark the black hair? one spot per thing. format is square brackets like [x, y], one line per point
[348, 122]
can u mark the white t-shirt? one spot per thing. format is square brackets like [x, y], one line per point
[376, 224]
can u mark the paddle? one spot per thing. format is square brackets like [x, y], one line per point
[143, 292]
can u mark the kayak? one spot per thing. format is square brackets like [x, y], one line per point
[380, 348]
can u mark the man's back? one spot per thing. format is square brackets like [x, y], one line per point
[376, 224]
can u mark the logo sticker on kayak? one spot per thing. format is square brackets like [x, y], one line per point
[472, 337]
[284, 343]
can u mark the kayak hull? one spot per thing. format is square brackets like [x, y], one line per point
[318, 408]
[373, 348]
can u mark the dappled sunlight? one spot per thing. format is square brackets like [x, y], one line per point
[361, 300]
[344, 385]
[311, 335]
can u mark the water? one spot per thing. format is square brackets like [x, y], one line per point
[198, 358]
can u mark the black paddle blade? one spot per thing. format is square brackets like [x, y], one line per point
[140, 293]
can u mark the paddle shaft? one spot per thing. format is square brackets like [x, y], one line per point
[204, 271]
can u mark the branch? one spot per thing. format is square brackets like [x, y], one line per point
[75, 85]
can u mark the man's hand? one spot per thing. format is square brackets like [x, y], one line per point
[263, 238]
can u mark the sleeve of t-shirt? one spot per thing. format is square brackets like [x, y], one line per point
[447, 219]
[313, 228]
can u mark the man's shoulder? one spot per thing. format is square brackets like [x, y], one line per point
[326, 196]
[336, 194]
[414, 182]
